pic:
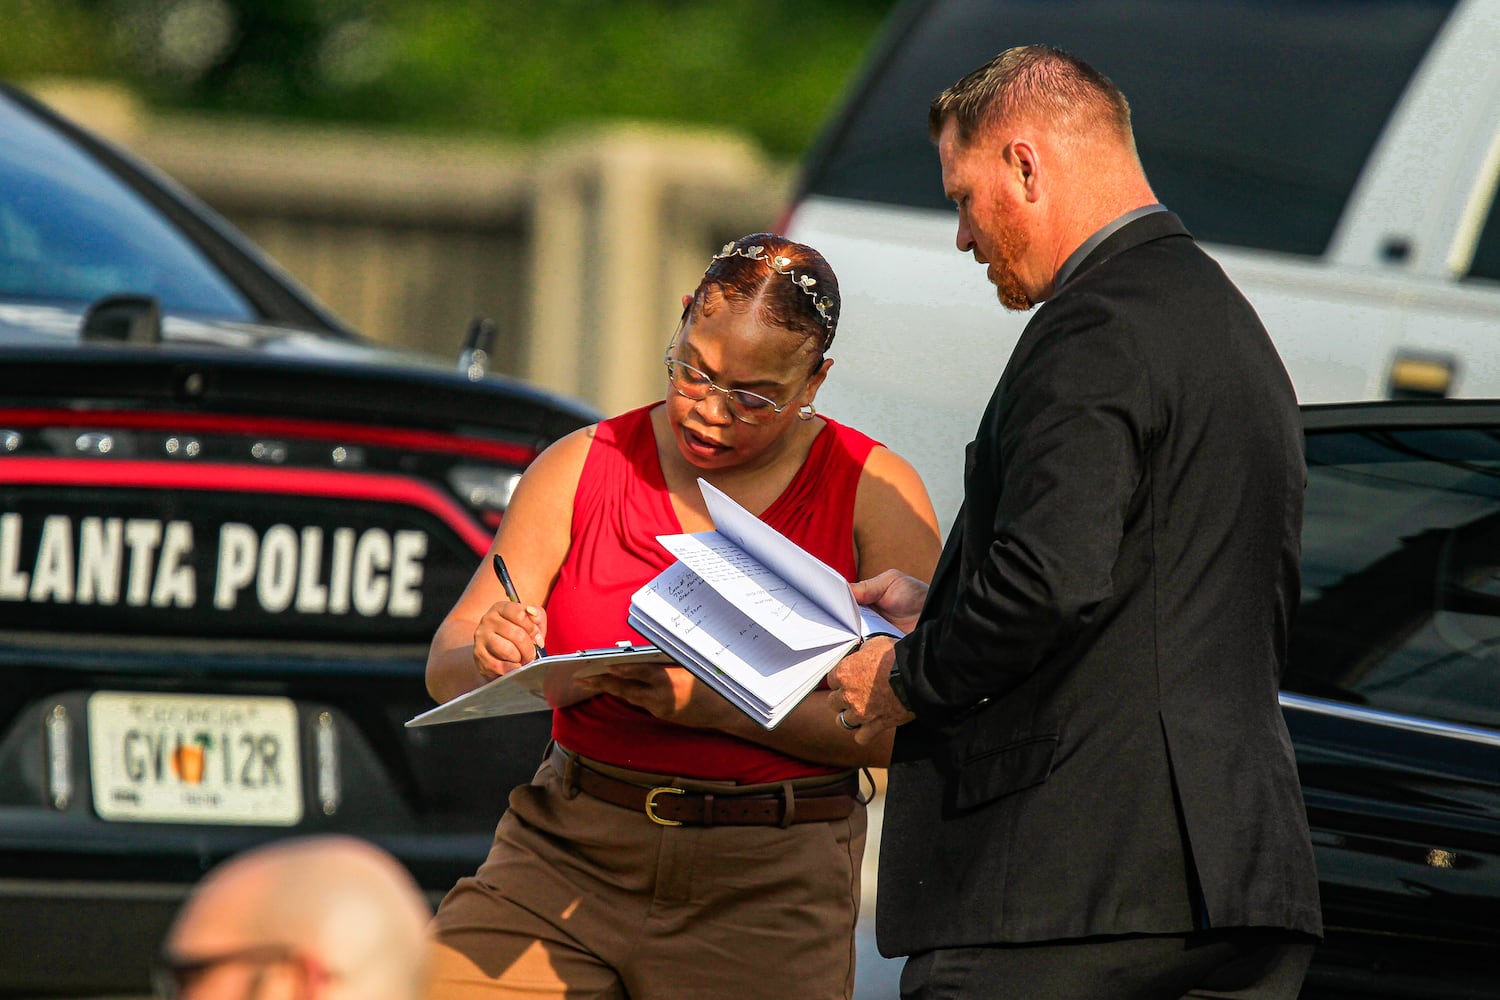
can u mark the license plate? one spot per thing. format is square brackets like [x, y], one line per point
[170, 758]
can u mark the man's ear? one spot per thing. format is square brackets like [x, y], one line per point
[1025, 166]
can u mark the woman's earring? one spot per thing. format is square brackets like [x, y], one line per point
[807, 411]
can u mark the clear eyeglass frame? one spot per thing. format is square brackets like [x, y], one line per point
[745, 406]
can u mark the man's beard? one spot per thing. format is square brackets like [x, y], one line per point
[1008, 287]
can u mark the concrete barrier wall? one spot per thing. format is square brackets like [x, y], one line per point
[578, 247]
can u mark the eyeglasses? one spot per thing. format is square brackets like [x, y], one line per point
[749, 407]
[744, 405]
[174, 977]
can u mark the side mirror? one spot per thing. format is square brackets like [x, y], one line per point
[123, 319]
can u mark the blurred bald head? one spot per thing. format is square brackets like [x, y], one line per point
[328, 917]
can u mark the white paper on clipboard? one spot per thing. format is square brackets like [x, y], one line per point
[540, 685]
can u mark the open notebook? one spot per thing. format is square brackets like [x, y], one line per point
[752, 614]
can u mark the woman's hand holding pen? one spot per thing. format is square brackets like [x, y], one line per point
[509, 636]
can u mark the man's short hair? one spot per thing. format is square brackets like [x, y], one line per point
[1032, 82]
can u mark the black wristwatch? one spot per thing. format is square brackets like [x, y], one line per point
[898, 686]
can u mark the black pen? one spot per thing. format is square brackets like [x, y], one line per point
[510, 592]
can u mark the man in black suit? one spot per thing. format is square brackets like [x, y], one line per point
[1093, 794]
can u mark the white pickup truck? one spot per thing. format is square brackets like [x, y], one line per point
[1338, 157]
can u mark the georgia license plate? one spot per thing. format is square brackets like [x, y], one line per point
[173, 758]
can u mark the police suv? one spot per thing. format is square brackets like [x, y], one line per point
[228, 529]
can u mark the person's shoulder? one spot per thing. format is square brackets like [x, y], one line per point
[620, 441]
[878, 464]
[616, 430]
[1085, 317]
[894, 522]
[560, 465]
[849, 437]
[1088, 345]
[885, 465]
[886, 474]
[623, 426]
[573, 444]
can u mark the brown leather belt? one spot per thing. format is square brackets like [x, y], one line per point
[666, 805]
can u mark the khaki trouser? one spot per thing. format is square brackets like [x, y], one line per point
[580, 898]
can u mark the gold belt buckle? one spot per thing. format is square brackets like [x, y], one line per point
[651, 805]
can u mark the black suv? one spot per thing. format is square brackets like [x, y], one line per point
[1392, 696]
[228, 529]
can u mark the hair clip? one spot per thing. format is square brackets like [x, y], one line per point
[782, 264]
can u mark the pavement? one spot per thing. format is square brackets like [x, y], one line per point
[875, 978]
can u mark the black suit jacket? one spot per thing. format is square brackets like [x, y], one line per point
[1098, 746]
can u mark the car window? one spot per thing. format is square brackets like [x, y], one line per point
[1401, 573]
[1486, 262]
[1262, 150]
[71, 232]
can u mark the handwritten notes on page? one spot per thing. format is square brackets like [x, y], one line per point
[752, 614]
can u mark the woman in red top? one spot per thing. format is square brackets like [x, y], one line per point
[743, 879]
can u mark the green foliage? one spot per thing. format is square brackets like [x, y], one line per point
[771, 68]
[43, 37]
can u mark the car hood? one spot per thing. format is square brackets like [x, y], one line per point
[211, 364]
[27, 325]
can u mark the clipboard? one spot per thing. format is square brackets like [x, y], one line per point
[540, 685]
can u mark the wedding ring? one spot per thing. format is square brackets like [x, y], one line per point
[845, 722]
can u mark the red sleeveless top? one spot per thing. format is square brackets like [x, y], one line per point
[620, 507]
